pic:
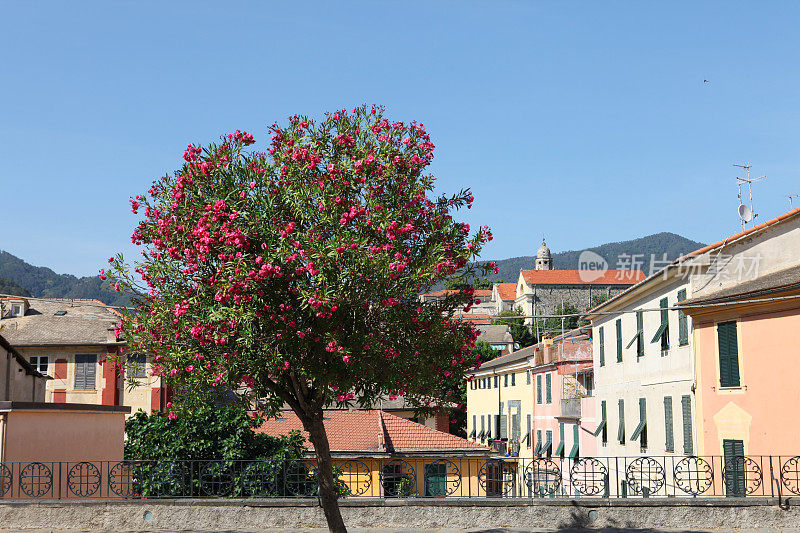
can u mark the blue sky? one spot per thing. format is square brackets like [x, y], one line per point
[587, 122]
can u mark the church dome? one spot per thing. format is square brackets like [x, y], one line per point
[543, 252]
[544, 261]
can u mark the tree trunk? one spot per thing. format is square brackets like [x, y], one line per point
[327, 484]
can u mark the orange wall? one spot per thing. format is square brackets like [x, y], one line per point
[762, 411]
[48, 435]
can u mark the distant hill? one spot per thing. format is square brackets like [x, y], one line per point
[9, 287]
[659, 244]
[44, 283]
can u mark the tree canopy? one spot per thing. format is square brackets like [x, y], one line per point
[293, 276]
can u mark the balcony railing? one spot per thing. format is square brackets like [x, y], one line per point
[571, 407]
[459, 477]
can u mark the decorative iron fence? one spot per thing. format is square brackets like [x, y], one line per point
[545, 477]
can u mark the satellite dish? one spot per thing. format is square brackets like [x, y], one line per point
[745, 213]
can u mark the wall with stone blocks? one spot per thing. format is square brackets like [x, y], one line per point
[680, 513]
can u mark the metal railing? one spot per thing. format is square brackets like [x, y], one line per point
[550, 477]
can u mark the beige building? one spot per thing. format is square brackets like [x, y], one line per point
[69, 340]
[19, 381]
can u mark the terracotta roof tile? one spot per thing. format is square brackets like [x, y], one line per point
[372, 431]
[575, 277]
[479, 293]
[507, 291]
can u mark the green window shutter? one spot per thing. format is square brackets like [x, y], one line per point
[640, 333]
[538, 388]
[662, 333]
[668, 430]
[602, 348]
[560, 450]
[642, 420]
[503, 426]
[621, 430]
[548, 443]
[548, 381]
[528, 434]
[538, 449]
[683, 325]
[619, 340]
[686, 408]
[728, 354]
[575, 451]
[735, 481]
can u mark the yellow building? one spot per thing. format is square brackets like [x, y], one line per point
[382, 455]
[69, 340]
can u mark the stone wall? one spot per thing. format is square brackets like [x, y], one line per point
[679, 513]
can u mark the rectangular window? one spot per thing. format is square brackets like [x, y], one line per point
[528, 420]
[728, 354]
[548, 443]
[513, 379]
[496, 382]
[85, 371]
[528, 377]
[686, 408]
[505, 380]
[17, 310]
[474, 426]
[560, 449]
[735, 482]
[683, 326]
[538, 388]
[436, 480]
[576, 439]
[662, 333]
[641, 430]
[137, 365]
[538, 450]
[548, 387]
[621, 428]
[668, 430]
[601, 340]
[482, 434]
[601, 427]
[503, 426]
[619, 340]
[40, 363]
[640, 333]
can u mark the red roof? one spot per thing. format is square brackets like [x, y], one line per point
[576, 277]
[371, 431]
[485, 293]
[507, 291]
[477, 319]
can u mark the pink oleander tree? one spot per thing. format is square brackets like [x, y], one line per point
[294, 275]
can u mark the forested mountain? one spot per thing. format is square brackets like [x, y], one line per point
[44, 283]
[9, 287]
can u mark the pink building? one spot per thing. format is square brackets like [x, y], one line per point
[564, 418]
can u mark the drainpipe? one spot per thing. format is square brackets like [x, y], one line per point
[3, 417]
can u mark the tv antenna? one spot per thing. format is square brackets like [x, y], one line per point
[790, 200]
[746, 213]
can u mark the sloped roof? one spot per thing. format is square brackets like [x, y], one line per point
[373, 431]
[576, 277]
[477, 319]
[507, 291]
[86, 322]
[782, 280]
[495, 333]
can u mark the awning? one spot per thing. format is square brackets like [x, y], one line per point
[638, 430]
[659, 332]
[560, 448]
[573, 453]
[538, 450]
[481, 434]
[600, 427]
[472, 435]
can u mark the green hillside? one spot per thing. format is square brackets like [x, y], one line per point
[44, 283]
[9, 287]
